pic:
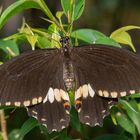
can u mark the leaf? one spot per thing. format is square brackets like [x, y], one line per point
[107, 41]
[133, 114]
[79, 8]
[55, 38]
[9, 47]
[73, 8]
[43, 42]
[125, 123]
[66, 6]
[93, 37]
[120, 35]
[75, 123]
[14, 134]
[32, 39]
[27, 127]
[17, 7]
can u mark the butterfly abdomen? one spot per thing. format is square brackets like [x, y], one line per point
[68, 74]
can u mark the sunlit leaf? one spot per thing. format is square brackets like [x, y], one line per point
[120, 35]
[55, 38]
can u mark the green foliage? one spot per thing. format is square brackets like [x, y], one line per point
[126, 113]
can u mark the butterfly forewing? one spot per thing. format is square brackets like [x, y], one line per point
[112, 72]
[102, 74]
[35, 80]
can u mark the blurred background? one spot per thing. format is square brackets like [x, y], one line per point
[102, 15]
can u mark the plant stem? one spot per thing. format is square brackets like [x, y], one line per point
[47, 11]
[3, 125]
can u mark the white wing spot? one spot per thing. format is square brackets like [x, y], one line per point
[106, 93]
[100, 93]
[51, 95]
[123, 93]
[114, 94]
[57, 95]
[64, 95]
[8, 103]
[43, 119]
[34, 112]
[62, 120]
[34, 101]
[78, 93]
[26, 103]
[63, 127]
[17, 103]
[132, 91]
[91, 91]
[40, 99]
[85, 91]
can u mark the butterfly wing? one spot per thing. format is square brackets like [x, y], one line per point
[102, 73]
[35, 80]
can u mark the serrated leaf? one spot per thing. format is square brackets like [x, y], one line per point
[9, 47]
[17, 7]
[120, 35]
[93, 37]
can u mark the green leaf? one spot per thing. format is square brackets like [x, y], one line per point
[112, 137]
[43, 42]
[73, 8]
[125, 123]
[14, 134]
[9, 47]
[75, 123]
[55, 38]
[120, 35]
[137, 95]
[17, 7]
[66, 6]
[32, 39]
[79, 8]
[107, 41]
[27, 127]
[93, 37]
[133, 114]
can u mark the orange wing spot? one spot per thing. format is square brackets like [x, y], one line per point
[78, 102]
[67, 107]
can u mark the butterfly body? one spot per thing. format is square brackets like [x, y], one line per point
[40, 80]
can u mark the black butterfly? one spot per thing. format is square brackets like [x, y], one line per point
[40, 80]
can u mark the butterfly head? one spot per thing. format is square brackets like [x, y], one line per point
[65, 41]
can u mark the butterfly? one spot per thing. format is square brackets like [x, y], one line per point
[40, 80]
